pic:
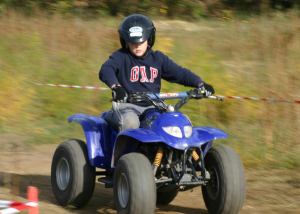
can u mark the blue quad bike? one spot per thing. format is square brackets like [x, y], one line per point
[151, 164]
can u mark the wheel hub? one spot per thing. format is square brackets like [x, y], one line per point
[62, 174]
[213, 185]
[123, 190]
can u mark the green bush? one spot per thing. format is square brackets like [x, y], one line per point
[186, 9]
[170, 8]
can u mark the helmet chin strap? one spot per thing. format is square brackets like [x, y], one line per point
[145, 54]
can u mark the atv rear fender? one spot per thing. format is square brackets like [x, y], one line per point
[99, 138]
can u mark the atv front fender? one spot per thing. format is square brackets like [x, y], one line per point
[209, 134]
[128, 140]
[98, 139]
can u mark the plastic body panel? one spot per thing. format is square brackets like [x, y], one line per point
[199, 136]
[106, 146]
[99, 138]
[151, 131]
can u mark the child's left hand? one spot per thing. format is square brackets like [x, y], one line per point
[207, 89]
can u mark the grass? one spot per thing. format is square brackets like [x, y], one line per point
[257, 57]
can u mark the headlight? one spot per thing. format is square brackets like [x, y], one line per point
[173, 130]
[188, 130]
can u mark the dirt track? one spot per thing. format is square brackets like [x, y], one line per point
[267, 191]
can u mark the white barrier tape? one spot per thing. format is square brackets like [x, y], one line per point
[15, 207]
[221, 96]
[260, 99]
[32, 204]
[73, 86]
[9, 211]
[5, 203]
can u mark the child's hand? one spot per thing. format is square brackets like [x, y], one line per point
[119, 94]
[206, 89]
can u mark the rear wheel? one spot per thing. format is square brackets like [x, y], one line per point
[225, 192]
[72, 176]
[165, 198]
[134, 186]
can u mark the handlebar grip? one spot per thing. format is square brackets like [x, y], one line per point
[216, 98]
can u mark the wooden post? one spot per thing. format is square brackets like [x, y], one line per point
[15, 189]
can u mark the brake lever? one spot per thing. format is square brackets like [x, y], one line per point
[194, 94]
[212, 97]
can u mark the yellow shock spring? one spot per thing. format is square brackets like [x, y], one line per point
[195, 155]
[158, 157]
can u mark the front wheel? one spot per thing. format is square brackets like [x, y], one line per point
[134, 185]
[225, 192]
[72, 176]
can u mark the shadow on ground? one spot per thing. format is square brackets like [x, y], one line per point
[101, 202]
[179, 209]
[102, 198]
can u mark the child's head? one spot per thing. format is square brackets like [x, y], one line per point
[136, 33]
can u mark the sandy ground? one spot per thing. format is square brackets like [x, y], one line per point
[268, 191]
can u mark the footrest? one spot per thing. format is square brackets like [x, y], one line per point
[108, 181]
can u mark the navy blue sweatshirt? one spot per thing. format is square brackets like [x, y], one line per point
[144, 75]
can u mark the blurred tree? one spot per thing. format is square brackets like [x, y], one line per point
[187, 9]
[283, 4]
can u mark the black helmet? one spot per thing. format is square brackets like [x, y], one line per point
[136, 28]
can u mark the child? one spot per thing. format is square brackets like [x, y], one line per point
[137, 68]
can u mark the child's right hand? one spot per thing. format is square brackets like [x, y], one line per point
[119, 94]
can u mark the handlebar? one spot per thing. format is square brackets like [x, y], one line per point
[167, 96]
[183, 96]
[177, 95]
[215, 98]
